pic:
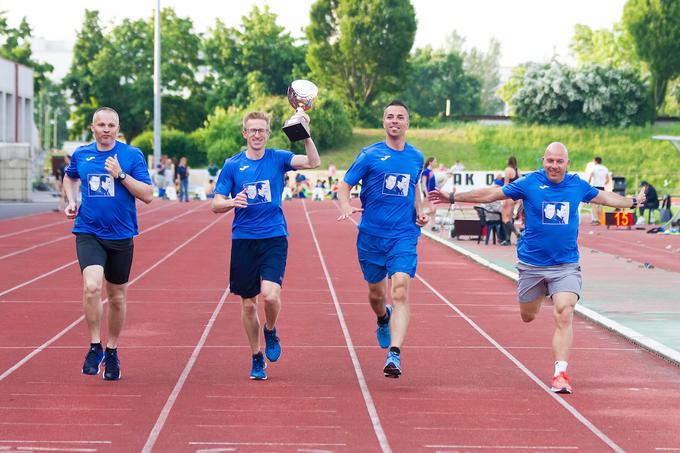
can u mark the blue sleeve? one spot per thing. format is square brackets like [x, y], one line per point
[357, 170]
[516, 189]
[72, 169]
[138, 169]
[286, 158]
[589, 192]
[224, 181]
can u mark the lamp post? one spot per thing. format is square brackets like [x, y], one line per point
[157, 86]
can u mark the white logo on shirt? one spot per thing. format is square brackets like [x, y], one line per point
[89, 158]
[243, 168]
[385, 157]
[542, 187]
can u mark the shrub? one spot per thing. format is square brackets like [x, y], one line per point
[174, 143]
[591, 96]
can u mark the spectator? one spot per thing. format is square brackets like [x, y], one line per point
[457, 167]
[651, 203]
[599, 178]
[182, 179]
[331, 173]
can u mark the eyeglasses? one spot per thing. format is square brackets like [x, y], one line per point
[253, 131]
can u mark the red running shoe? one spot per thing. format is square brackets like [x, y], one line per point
[560, 383]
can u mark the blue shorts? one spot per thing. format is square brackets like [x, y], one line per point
[380, 257]
[254, 260]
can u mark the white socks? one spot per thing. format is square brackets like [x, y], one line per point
[560, 366]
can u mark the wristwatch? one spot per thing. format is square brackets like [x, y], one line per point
[121, 176]
[451, 197]
[635, 204]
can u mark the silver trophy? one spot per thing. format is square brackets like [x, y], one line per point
[301, 95]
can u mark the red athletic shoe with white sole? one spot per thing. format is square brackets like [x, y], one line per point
[560, 383]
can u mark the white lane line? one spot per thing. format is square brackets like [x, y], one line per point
[18, 252]
[368, 399]
[165, 412]
[33, 448]
[40, 348]
[297, 427]
[58, 424]
[270, 444]
[259, 410]
[631, 335]
[581, 418]
[74, 395]
[215, 450]
[47, 274]
[274, 397]
[28, 230]
[76, 442]
[507, 447]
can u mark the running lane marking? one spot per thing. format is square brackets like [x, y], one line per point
[370, 406]
[572, 410]
[43, 346]
[61, 238]
[165, 412]
[64, 266]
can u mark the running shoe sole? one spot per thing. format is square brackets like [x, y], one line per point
[391, 371]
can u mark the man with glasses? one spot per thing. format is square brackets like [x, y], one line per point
[259, 246]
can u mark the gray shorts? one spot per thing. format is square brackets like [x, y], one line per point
[536, 281]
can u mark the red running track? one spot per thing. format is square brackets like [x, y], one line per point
[473, 378]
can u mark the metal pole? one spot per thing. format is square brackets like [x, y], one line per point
[56, 129]
[47, 127]
[157, 86]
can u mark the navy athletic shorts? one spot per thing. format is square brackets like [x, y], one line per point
[254, 260]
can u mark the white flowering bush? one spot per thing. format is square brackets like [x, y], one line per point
[590, 96]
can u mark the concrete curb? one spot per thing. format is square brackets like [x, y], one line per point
[666, 353]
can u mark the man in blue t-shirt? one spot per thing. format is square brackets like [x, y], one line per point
[113, 175]
[251, 182]
[548, 252]
[392, 207]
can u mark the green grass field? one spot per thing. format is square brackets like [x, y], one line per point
[627, 152]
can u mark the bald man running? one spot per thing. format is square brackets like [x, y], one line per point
[548, 253]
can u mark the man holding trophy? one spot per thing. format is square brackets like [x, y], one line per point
[259, 246]
[392, 209]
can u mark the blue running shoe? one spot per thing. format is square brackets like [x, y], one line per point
[257, 371]
[272, 345]
[111, 365]
[392, 365]
[383, 332]
[93, 359]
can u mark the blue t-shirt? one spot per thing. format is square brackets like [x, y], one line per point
[108, 209]
[390, 179]
[263, 179]
[430, 180]
[551, 216]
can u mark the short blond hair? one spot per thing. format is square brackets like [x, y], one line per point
[255, 116]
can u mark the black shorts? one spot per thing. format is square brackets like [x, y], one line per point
[254, 260]
[115, 256]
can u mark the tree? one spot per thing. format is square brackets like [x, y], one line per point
[256, 60]
[485, 66]
[655, 27]
[17, 48]
[435, 76]
[116, 70]
[79, 79]
[360, 48]
[614, 48]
